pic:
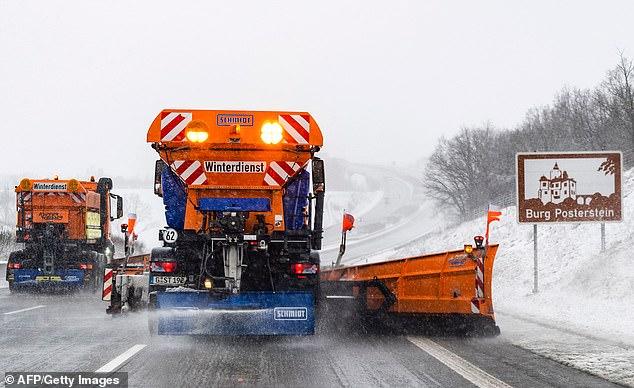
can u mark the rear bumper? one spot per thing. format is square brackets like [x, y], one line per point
[248, 313]
[34, 278]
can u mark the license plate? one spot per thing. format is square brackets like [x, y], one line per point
[46, 278]
[169, 280]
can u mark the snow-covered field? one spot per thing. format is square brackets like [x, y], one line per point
[581, 289]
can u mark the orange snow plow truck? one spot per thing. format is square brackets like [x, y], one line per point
[244, 201]
[244, 223]
[65, 228]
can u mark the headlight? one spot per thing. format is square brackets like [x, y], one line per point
[197, 136]
[271, 133]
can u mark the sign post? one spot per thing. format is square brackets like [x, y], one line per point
[568, 187]
[535, 262]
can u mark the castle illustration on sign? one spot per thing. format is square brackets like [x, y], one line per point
[559, 187]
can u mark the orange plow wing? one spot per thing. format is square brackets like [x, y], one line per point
[451, 284]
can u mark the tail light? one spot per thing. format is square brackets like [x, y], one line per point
[163, 266]
[85, 266]
[304, 268]
[15, 265]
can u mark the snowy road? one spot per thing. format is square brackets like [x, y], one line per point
[72, 333]
[402, 216]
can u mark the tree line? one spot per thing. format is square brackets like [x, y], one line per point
[477, 166]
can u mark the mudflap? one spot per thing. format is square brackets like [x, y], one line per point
[248, 313]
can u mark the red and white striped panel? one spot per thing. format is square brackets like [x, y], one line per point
[480, 277]
[26, 197]
[78, 197]
[173, 125]
[278, 172]
[107, 284]
[190, 171]
[479, 285]
[475, 306]
[296, 128]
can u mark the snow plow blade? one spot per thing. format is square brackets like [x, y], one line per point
[454, 287]
[247, 313]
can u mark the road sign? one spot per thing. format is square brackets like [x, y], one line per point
[569, 187]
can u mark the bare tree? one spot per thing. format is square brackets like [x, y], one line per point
[478, 165]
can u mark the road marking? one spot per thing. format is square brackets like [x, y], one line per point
[23, 310]
[458, 364]
[120, 359]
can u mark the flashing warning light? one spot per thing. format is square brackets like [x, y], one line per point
[26, 184]
[209, 284]
[468, 249]
[15, 265]
[73, 185]
[271, 133]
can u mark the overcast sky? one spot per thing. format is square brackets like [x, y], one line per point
[80, 81]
